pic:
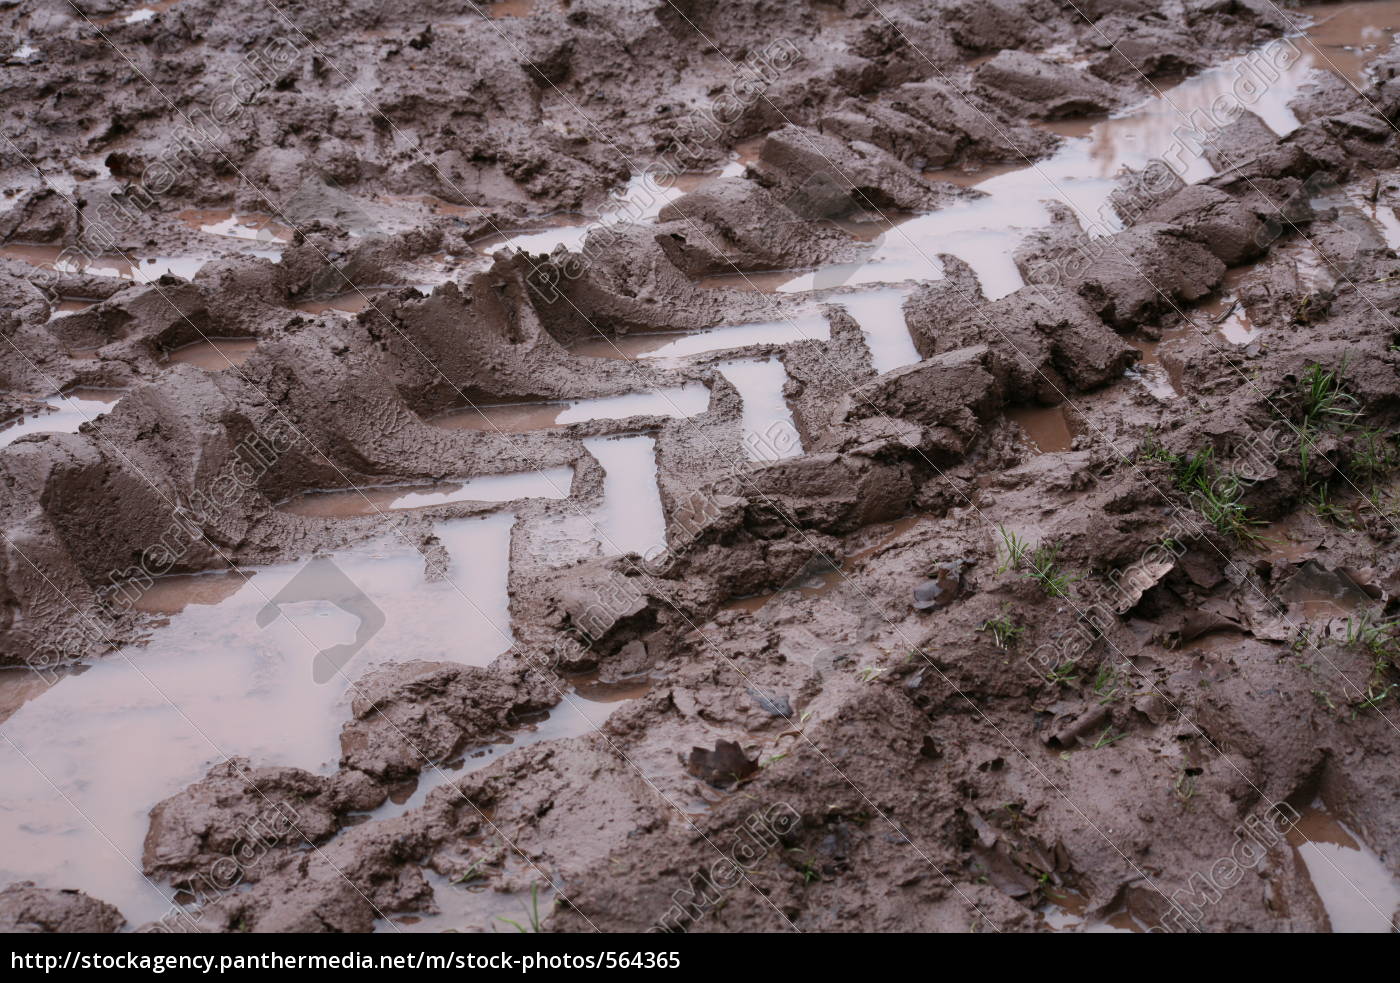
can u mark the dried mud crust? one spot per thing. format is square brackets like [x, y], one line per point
[915, 768]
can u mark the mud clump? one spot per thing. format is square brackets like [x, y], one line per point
[29, 909]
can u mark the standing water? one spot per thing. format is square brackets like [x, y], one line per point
[547, 483]
[802, 327]
[631, 518]
[769, 431]
[259, 667]
[676, 401]
[69, 411]
[880, 314]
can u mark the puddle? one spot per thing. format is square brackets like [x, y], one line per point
[226, 222]
[1067, 913]
[257, 678]
[1343, 38]
[1046, 427]
[818, 579]
[639, 201]
[63, 260]
[631, 518]
[1161, 379]
[352, 302]
[584, 709]
[1230, 319]
[747, 152]
[769, 431]
[564, 229]
[767, 282]
[1357, 890]
[215, 354]
[1286, 542]
[68, 306]
[675, 402]
[234, 674]
[803, 327]
[1382, 215]
[550, 483]
[171, 595]
[880, 314]
[985, 232]
[1314, 272]
[19, 686]
[70, 411]
[971, 178]
[509, 8]
[1315, 593]
[475, 907]
[141, 14]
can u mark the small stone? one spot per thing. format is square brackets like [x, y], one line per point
[941, 588]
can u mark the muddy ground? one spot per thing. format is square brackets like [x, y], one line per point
[1079, 620]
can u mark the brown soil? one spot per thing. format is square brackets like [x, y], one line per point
[919, 509]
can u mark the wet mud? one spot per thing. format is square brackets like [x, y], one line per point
[470, 466]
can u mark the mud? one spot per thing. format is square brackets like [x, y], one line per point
[938, 460]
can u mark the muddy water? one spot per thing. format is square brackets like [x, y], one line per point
[1081, 174]
[676, 402]
[802, 327]
[1382, 214]
[880, 314]
[549, 483]
[1315, 593]
[68, 306]
[640, 201]
[767, 282]
[236, 225]
[1067, 911]
[631, 517]
[1047, 428]
[140, 15]
[18, 686]
[69, 261]
[1359, 893]
[1231, 319]
[567, 229]
[510, 8]
[352, 302]
[246, 667]
[1288, 541]
[970, 178]
[69, 411]
[769, 433]
[475, 907]
[114, 746]
[585, 707]
[1227, 315]
[985, 232]
[171, 595]
[1344, 37]
[1161, 378]
[216, 354]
